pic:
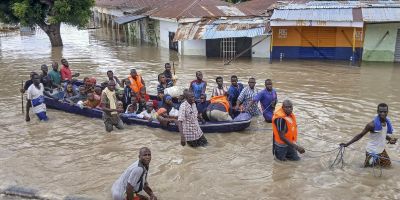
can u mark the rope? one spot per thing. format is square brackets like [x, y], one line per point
[339, 158]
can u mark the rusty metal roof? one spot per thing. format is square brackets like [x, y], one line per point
[196, 8]
[222, 28]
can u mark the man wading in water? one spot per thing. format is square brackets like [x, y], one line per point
[284, 127]
[134, 179]
[189, 127]
[379, 130]
[110, 110]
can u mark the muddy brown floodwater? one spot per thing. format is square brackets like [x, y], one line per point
[73, 155]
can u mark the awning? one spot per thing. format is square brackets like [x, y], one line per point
[127, 19]
[227, 28]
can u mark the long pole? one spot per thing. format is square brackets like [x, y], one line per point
[22, 96]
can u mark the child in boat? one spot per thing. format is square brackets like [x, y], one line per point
[91, 102]
[131, 110]
[69, 91]
[149, 114]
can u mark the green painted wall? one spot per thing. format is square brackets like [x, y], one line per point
[376, 48]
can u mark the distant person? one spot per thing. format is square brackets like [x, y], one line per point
[246, 97]
[109, 105]
[36, 97]
[149, 114]
[136, 81]
[198, 86]
[284, 127]
[111, 76]
[66, 73]
[268, 99]
[55, 75]
[28, 105]
[380, 130]
[234, 90]
[202, 105]
[188, 123]
[218, 109]
[134, 179]
[45, 78]
[163, 84]
[81, 96]
[167, 73]
[221, 89]
[91, 102]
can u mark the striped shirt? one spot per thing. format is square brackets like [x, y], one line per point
[245, 97]
[219, 91]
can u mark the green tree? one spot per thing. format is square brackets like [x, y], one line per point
[47, 14]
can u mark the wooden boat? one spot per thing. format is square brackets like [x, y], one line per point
[208, 127]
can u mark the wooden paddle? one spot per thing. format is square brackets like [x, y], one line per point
[173, 68]
[22, 96]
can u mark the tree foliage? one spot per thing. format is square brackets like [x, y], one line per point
[48, 14]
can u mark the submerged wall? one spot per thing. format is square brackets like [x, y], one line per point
[380, 41]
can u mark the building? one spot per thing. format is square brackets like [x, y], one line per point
[228, 32]
[318, 30]
[382, 32]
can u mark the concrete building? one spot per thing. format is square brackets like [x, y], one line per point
[317, 30]
[160, 22]
[382, 33]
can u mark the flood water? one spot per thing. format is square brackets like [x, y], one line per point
[72, 155]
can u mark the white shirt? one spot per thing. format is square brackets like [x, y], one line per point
[131, 176]
[34, 94]
[377, 141]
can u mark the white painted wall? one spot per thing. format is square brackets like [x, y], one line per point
[193, 47]
[261, 50]
[165, 27]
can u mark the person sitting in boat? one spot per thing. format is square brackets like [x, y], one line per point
[97, 93]
[66, 74]
[149, 114]
[111, 76]
[163, 83]
[202, 106]
[69, 91]
[89, 84]
[131, 110]
[218, 110]
[136, 81]
[127, 93]
[45, 78]
[141, 105]
[81, 96]
[55, 76]
[91, 102]
[164, 118]
[198, 86]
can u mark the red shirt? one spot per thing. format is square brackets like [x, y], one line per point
[66, 73]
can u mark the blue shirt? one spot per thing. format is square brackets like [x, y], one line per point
[202, 107]
[197, 88]
[233, 93]
[265, 97]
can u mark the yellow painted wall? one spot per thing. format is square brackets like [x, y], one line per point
[316, 36]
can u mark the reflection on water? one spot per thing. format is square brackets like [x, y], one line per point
[73, 155]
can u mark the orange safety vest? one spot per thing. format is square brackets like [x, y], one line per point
[222, 100]
[291, 124]
[137, 84]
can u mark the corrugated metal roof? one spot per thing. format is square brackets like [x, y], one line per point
[222, 28]
[381, 14]
[126, 19]
[313, 14]
[322, 4]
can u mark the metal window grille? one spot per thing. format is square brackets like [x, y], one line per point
[228, 48]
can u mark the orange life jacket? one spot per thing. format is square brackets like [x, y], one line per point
[137, 84]
[222, 100]
[291, 124]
